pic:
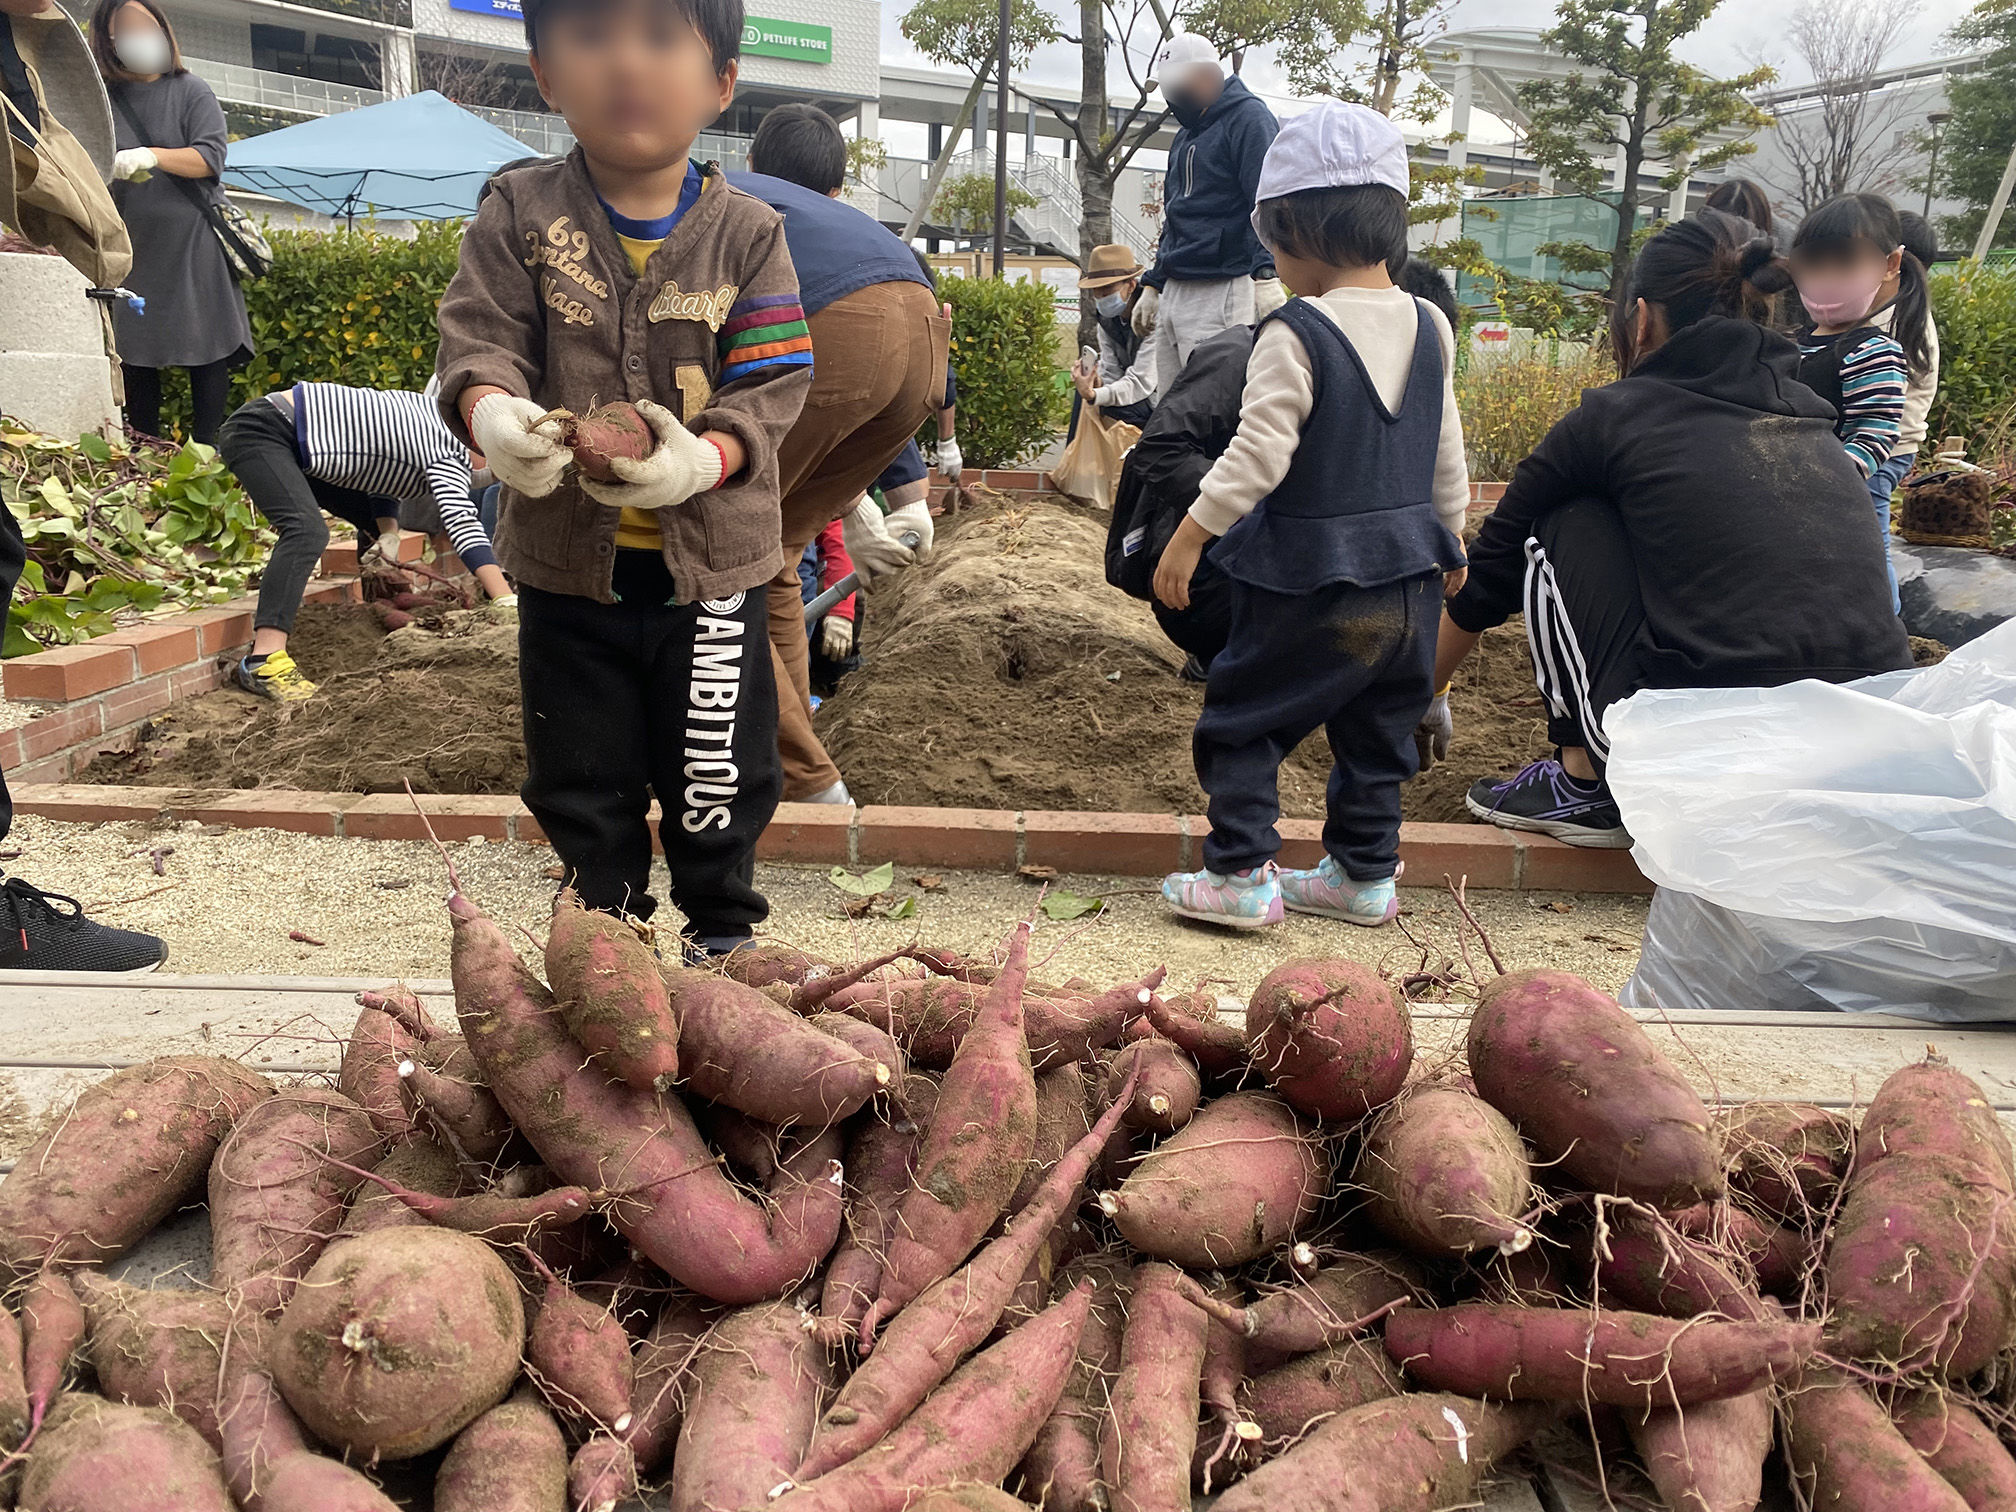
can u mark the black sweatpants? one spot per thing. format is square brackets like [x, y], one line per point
[650, 696]
[1585, 621]
[209, 390]
[258, 445]
[1360, 662]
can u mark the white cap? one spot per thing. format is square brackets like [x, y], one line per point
[1181, 53]
[1333, 146]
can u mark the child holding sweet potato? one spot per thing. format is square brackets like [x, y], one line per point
[1339, 502]
[626, 272]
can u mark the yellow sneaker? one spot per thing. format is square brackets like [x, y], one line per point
[276, 677]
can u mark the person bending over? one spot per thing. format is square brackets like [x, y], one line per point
[1694, 524]
[1338, 504]
[1122, 382]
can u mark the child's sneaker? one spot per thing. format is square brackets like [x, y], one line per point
[274, 676]
[1325, 890]
[1244, 900]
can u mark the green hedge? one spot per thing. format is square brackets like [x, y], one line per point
[1004, 350]
[352, 307]
[1975, 307]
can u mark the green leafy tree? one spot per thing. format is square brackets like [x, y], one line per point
[1632, 99]
[866, 155]
[967, 34]
[966, 203]
[1978, 138]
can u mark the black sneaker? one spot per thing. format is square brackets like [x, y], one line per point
[45, 931]
[1544, 800]
[1194, 669]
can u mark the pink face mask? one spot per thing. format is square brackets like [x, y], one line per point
[1839, 298]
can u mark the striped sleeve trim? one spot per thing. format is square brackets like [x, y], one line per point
[757, 302]
[769, 335]
[738, 370]
[789, 310]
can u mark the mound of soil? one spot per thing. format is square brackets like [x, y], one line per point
[1006, 673]
[435, 704]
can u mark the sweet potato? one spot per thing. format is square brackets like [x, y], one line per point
[98, 1456]
[1921, 1271]
[879, 1154]
[973, 1428]
[1169, 1086]
[1780, 1256]
[511, 1459]
[751, 1148]
[605, 433]
[675, 1205]
[981, 1133]
[465, 1112]
[1788, 1158]
[1066, 1105]
[970, 1497]
[606, 982]
[397, 1339]
[1330, 1036]
[602, 1474]
[369, 1075]
[1652, 1267]
[1414, 1453]
[1351, 1293]
[664, 1365]
[1235, 1182]
[757, 1389]
[13, 1391]
[1589, 1090]
[128, 1153]
[1964, 1450]
[183, 1350]
[1061, 1470]
[1190, 1021]
[1847, 1456]
[403, 1003]
[762, 963]
[271, 1468]
[927, 1339]
[52, 1330]
[274, 1201]
[1225, 1429]
[1447, 1174]
[930, 1017]
[1708, 1457]
[579, 1356]
[1569, 1354]
[1292, 1400]
[417, 1165]
[877, 1046]
[809, 995]
[1147, 1443]
[739, 1048]
[1931, 1109]
[488, 1215]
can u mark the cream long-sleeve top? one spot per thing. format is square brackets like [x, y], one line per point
[1280, 391]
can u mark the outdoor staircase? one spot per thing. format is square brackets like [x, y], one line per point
[1054, 219]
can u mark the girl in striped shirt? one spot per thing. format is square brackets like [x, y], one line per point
[1847, 256]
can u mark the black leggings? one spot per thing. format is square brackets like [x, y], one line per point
[209, 387]
[258, 445]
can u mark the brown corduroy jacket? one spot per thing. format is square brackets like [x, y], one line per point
[545, 306]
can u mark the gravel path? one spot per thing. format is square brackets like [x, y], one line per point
[229, 898]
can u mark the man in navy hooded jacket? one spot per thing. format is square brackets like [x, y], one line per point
[1211, 269]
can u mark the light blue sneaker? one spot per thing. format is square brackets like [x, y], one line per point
[1244, 900]
[1326, 891]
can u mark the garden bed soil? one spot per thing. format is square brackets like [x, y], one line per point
[1002, 674]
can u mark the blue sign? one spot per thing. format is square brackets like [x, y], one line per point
[509, 8]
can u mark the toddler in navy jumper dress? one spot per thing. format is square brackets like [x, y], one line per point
[1340, 501]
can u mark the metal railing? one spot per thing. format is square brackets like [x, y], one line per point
[240, 85]
[1059, 208]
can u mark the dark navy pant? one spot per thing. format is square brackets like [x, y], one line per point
[1360, 663]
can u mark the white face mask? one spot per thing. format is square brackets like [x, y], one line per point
[1110, 304]
[144, 52]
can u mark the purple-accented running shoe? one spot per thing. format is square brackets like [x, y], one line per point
[1244, 900]
[1543, 799]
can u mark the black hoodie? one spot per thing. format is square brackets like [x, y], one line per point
[1759, 558]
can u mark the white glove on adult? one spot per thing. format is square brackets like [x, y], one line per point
[1268, 296]
[916, 516]
[523, 450]
[875, 551]
[388, 547]
[503, 609]
[680, 466]
[1433, 734]
[949, 460]
[134, 163]
[836, 638]
[1144, 310]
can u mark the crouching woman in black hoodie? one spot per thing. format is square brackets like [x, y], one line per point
[1693, 525]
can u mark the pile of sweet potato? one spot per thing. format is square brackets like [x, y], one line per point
[926, 1233]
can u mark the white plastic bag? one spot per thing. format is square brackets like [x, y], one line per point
[1848, 847]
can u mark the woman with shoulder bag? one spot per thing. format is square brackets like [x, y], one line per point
[171, 149]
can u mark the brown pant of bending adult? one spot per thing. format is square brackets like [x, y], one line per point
[878, 369]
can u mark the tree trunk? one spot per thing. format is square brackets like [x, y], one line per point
[1627, 197]
[945, 156]
[1095, 189]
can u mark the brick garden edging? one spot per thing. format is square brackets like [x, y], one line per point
[1128, 845]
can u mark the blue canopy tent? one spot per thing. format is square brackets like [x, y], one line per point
[421, 157]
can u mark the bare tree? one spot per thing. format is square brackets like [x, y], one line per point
[471, 79]
[1848, 134]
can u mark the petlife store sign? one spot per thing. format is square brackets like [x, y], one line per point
[796, 40]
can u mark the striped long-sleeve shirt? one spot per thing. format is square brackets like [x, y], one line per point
[392, 444]
[1868, 379]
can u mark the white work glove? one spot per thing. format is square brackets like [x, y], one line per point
[949, 460]
[1432, 735]
[916, 516]
[134, 163]
[836, 637]
[523, 450]
[680, 466]
[1268, 296]
[503, 609]
[388, 547]
[1144, 311]
[875, 551]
